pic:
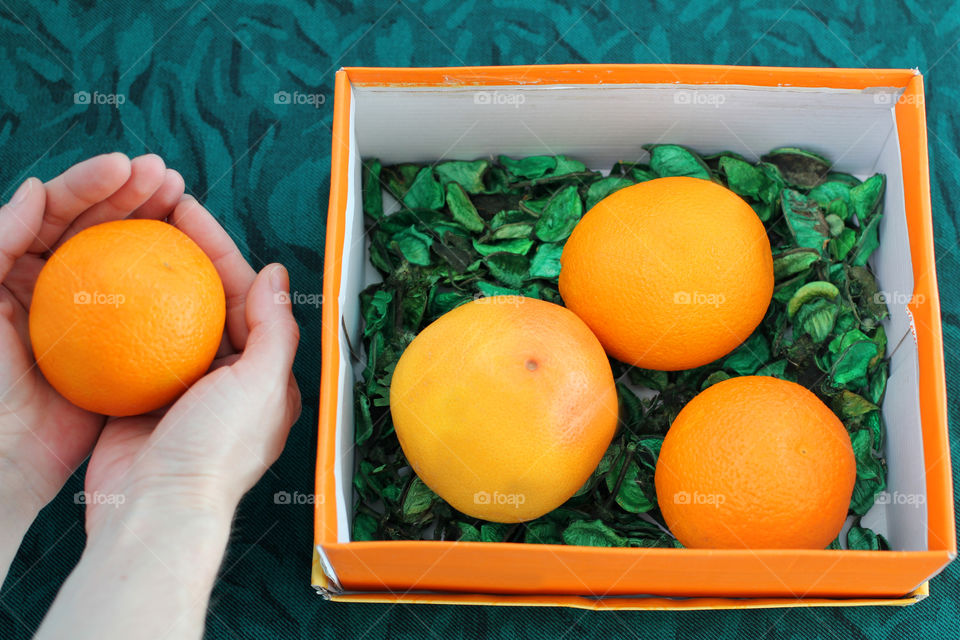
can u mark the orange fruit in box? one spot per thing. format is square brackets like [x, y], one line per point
[755, 462]
[670, 274]
[504, 406]
[125, 316]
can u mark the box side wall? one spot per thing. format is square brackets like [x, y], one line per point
[600, 125]
[900, 513]
[697, 74]
[925, 308]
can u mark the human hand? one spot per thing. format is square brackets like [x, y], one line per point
[175, 475]
[43, 437]
[152, 557]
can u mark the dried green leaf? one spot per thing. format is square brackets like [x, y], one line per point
[414, 245]
[469, 175]
[509, 217]
[543, 531]
[493, 532]
[805, 220]
[714, 378]
[862, 539]
[792, 262]
[848, 404]
[592, 534]
[674, 160]
[749, 356]
[372, 191]
[546, 262]
[515, 230]
[801, 169]
[852, 360]
[866, 197]
[528, 168]
[364, 527]
[816, 319]
[468, 532]
[425, 192]
[560, 215]
[811, 291]
[841, 245]
[629, 494]
[518, 245]
[604, 187]
[742, 177]
[509, 268]
[418, 500]
[867, 243]
[462, 209]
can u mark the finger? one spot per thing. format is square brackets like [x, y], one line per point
[20, 222]
[237, 276]
[22, 279]
[76, 190]
[15, 316]
[146, 175]
[162, 202]
[294, 400]
[273, 332]
[224, 361]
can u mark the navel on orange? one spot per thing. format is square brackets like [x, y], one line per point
[755, 462]
[504, 406]
[669, 274]
[125, 316]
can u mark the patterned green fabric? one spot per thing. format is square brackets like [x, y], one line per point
[198, 80]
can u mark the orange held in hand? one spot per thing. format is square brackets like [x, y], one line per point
[670, 274]
[504, 406]
[125, 316]
[755, 462]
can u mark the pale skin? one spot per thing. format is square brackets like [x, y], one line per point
[178, 474]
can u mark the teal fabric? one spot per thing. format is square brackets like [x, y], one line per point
[199, 79]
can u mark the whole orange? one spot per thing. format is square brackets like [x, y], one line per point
[670, 274]
[755, 462]
[504, 406]
[125, 316]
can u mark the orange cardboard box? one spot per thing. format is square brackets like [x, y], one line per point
[865, 120]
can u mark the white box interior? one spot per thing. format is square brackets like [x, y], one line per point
[603, 124]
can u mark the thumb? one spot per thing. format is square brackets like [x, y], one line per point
[273, 332]
[20, 222]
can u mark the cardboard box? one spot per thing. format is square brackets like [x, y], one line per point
[865, 121]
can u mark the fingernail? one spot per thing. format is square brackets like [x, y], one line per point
[278, 278]
[20, 195]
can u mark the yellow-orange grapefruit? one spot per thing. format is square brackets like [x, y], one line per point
[504, 406]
